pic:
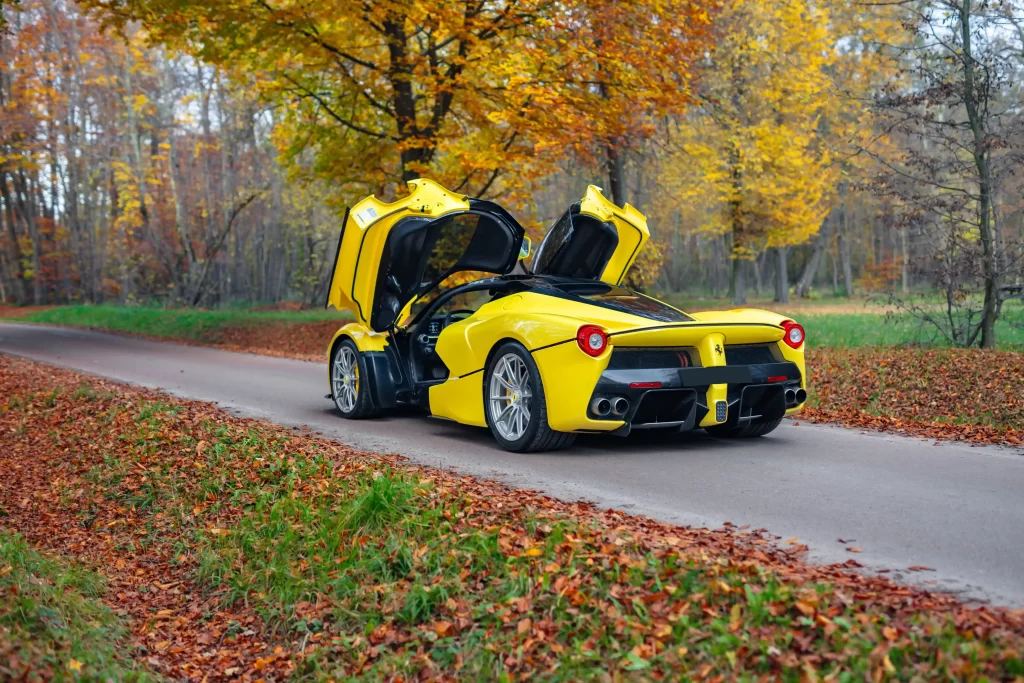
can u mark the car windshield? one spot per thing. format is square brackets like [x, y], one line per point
[624, 300]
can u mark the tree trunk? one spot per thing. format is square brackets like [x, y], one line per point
[843, 242]
[616, 174]
[738, 281]
[29, 201]
[755, 266]
[821, 243]
[719, 255]
[781, 276]
[844, 257]
[990, 269]
[17, 275]
[905, 263]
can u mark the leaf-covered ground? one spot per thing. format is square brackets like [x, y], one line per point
[233, 548]
[965, 394]
[52, 622]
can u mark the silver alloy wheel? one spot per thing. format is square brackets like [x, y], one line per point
[345, 378]
[510, 397]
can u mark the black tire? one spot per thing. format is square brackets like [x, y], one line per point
[362, 406]
[537, 436]
[747, 430]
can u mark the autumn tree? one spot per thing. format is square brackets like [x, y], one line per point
[750, 163]
[465, 92]
[957, 111]
[131, 174]
[603, 77]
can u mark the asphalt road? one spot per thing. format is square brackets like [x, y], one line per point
[905, 502]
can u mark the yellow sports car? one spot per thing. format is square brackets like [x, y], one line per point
[542, 353]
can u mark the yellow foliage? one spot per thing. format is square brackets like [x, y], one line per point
[761, 157]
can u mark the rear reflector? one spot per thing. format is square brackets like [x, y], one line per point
[645, 385]
[778, 378]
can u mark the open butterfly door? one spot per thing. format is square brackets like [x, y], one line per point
[391, 252]
[594, 239]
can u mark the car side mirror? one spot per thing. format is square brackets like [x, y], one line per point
[524, 249]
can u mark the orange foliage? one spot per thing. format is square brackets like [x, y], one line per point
[879, 277]
[484, 97]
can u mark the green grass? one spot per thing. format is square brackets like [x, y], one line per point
[872, 329]
[383, 572]
[52, 622]
[837, 329]
[173, 323]
[860, 323]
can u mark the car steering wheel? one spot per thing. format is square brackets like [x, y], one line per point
[450, 318]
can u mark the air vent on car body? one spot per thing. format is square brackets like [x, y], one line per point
[641, 358]
[749, 354]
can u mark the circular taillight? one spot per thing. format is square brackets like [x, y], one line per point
[793, 334]
[592, 340]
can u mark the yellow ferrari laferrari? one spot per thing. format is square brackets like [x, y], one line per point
[449, 317]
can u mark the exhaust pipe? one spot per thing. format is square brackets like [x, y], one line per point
[801, 395]
[790, 396]
[620, 406]
[601, 407]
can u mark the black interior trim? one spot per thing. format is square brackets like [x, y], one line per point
[485, 212]
[577, 246]
[495, 228]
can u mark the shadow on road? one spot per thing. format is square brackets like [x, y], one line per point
[587, 445]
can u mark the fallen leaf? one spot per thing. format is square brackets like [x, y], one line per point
[805, 608]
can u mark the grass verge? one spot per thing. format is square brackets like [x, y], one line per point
[293, 334]
[173, 323]
[348, 565]
[53, 623]
[862, 330]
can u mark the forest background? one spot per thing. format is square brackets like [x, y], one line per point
[175, 153]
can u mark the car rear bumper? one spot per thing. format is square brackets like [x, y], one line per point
[677, 398]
